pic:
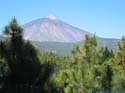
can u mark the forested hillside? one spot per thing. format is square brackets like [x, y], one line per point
[64, 49]
[24, 69]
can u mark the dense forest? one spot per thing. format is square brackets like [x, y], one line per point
[23, 69]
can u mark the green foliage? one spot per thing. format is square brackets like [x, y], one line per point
[20, 68]
[120, 52]
[89, 67]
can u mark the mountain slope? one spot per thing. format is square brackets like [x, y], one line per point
[53, 35]
[52, 29]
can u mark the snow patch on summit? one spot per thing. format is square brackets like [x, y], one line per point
[51, 17]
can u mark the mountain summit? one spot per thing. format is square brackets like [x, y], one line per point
[51, 17]
[52, 29]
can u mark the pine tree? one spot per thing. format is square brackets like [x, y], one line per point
[105, 54]
[120, 52]
[88, 50]
[24, 66]
[119, 66]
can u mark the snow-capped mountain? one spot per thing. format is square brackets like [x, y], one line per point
[53, 30]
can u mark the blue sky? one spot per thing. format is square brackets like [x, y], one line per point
[106, 18]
